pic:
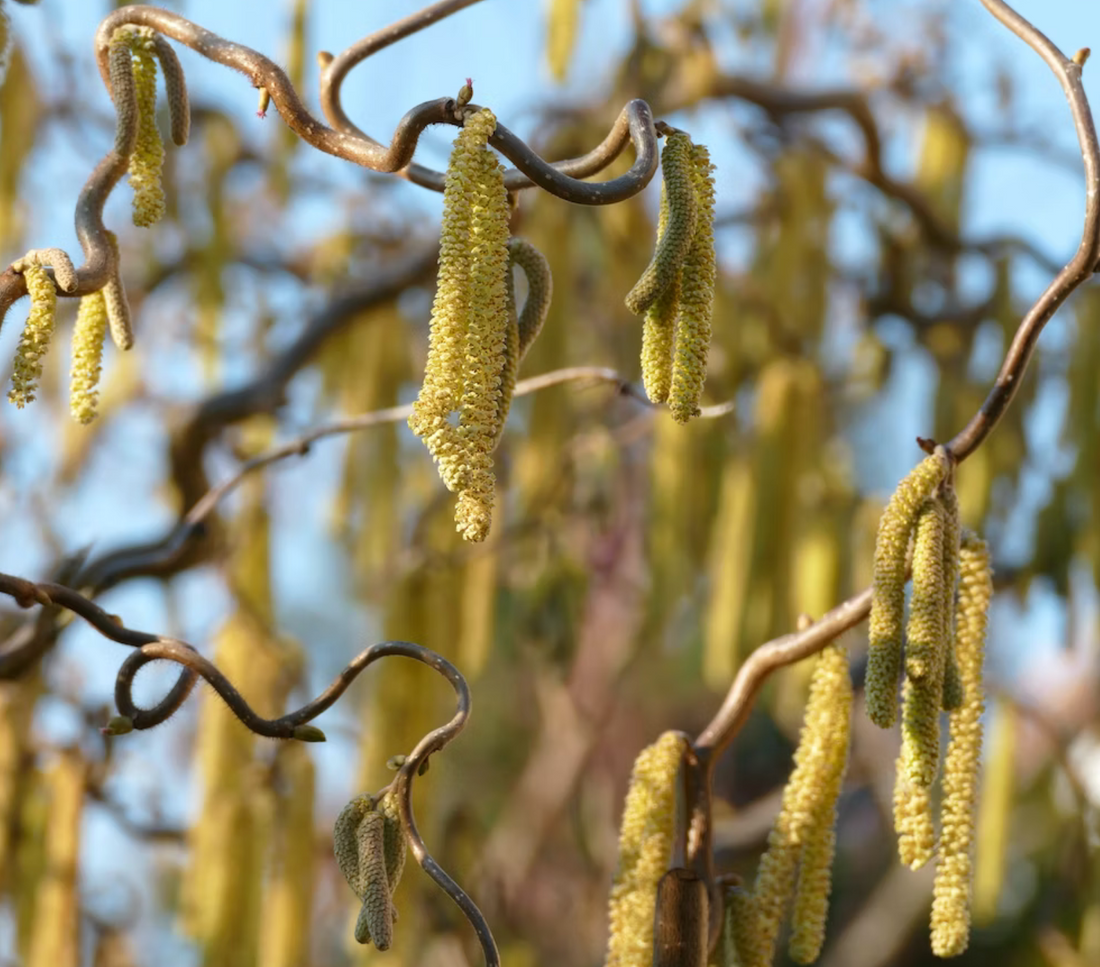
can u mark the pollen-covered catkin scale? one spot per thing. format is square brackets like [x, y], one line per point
[673, 245]
[925, 649]
[888, 601]
[697, 282]
[953, 690]
[35, 341]
[645, 848]
[88, 336]
[123, 92]
[913, 820]
[954, 871]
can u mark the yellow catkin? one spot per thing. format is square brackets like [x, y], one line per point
[659, 327]
[925, 650]
[697, 281]
[888, 602]
[147, 158]
[738, 927]
[811, 900]
[88, 336]
[679, 228]
[469, 328]
[952, 889]
[35, 341]
[953, 689]
[803, 829]
[645, 849]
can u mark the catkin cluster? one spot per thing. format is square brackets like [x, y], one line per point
[369, 843]
[476, 340]
[799, 857]
[645, 850]
[133, 56]
[944, 646]
[676, 291]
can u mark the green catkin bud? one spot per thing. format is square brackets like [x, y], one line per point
[952, 889]
[811, 901]
[117, 305]
[123, 93]
[659, 327]
[64, 274]
[396, 847]
[913, 821]
[697, 282]
[645, 849]
[511, 355]
[148, 153]
[888, 601]
[175, 89]
[925, 650]
[540, 290]
[375, 921]
[88, 336]
[35, 340]
[803, 829]
[346, 844]
[673, 245]
[953, 690]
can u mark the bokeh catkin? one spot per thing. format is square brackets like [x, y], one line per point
[888, 601]
[645, 849]
[954, 870]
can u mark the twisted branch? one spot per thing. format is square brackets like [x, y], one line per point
[793, 647]
[149, 648]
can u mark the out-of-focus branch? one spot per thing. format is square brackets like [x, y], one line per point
[396, 414]
[150, 648]
[1083, 264]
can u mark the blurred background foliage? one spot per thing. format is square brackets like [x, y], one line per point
[633, 563]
